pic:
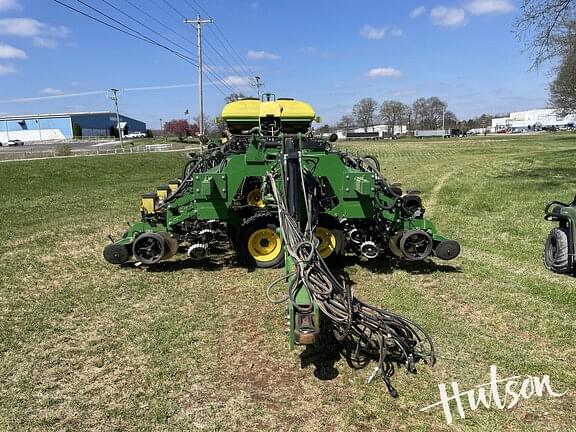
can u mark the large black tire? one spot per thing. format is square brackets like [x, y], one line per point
[258, 243]
[556, 251]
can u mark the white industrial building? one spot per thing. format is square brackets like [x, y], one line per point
[533, 120]
[381, 130]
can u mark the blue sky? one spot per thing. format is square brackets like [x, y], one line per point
[330, 53]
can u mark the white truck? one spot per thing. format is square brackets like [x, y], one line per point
[442, 133]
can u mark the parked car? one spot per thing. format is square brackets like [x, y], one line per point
[15, 143]
[135, 135]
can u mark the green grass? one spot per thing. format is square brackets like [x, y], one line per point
[88, 346]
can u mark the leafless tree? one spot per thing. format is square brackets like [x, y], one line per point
[428, 112]
[209, 125]
[346, 122]
[563, 88]
[233, 97]
[547, 27]
[364, 112]
[393, 113]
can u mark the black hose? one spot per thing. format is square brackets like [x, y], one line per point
[375, 332]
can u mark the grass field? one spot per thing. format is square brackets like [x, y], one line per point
[88, 346]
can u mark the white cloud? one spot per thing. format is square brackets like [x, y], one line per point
[43, 35]
[25, 27]
[7, 69]
[448, 17]
[262, 55]
[370, 32]
[309, 50]
[51, 91]
[45, 42]
[482, 7]
[8, 4]
[417, 12]
[237, 81]
[10, 52]
[383, 72]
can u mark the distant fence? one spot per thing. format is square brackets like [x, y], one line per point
[44, 154]
[158, 147]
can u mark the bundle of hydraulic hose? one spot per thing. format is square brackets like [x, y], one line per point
[364, 331]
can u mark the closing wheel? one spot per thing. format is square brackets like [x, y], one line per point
[116, 253]
[260, 245]
[151, 248]
[556, 254]
[447, 249]
[254, 198]
[416, 244]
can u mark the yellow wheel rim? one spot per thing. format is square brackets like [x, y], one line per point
[254, 198]
[327, 244]
[264, 245]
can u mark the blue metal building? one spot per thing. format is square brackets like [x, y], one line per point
[50, 127]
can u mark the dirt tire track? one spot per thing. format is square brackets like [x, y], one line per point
[435, 192]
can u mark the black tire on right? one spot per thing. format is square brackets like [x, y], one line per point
[556, 251]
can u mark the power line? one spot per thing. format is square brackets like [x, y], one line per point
[162, 24]
[170, 8]
[214, 49]
[225, 42]
[174, 9]
[242, 63]
[146, 26]
[144, 38]
[130, 32]
[199, 7]
[224, 59]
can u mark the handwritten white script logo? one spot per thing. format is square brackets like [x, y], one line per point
[489, 394]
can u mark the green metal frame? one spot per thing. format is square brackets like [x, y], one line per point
[213, 192]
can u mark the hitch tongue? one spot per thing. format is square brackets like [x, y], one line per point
[305, 330]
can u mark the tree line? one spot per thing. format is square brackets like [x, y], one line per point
[423, 113]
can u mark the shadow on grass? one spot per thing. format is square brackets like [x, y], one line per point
[388, 265]
[542, 173]
[324, 354]
[226, 259]
[209, 264]
[542, 179]
[219, 259]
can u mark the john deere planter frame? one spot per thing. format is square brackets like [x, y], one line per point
[285, 197]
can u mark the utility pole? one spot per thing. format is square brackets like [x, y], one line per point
[114, 97]
[258, 84]
[39, 128]
[198, 23]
